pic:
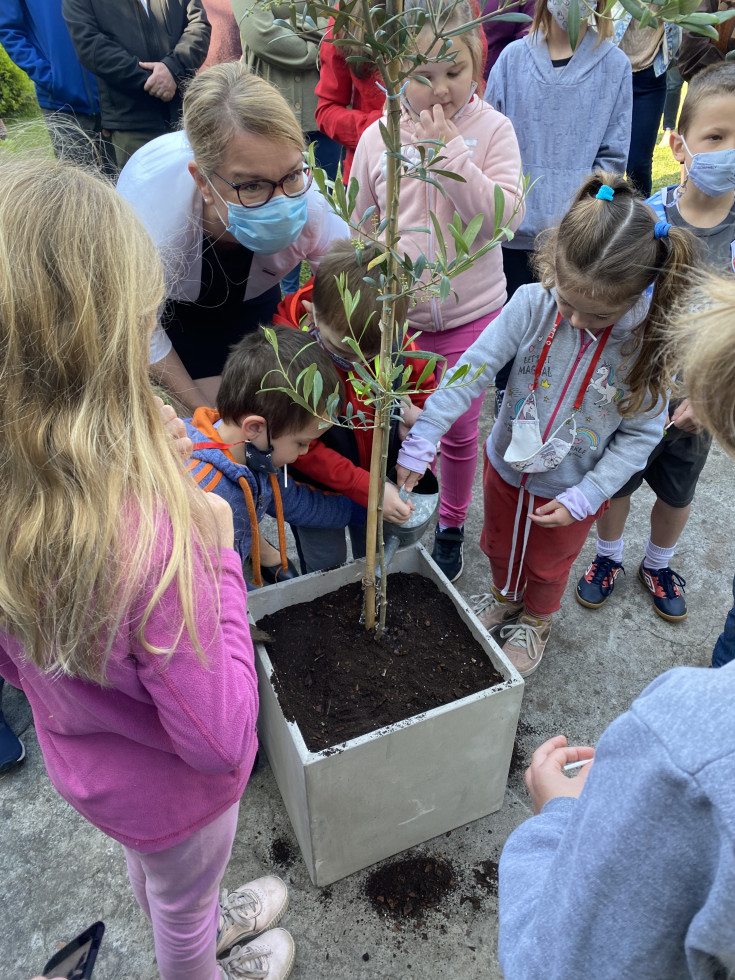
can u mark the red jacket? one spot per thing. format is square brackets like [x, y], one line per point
[346, 104]
[326, 466]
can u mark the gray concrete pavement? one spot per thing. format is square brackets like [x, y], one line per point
[59, 874]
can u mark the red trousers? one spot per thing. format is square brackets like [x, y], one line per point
[550, 552]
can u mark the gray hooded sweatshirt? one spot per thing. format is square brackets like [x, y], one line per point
[635, 880]
[569, 121]
[607, 449]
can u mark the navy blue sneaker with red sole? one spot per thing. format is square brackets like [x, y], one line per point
[667, 590]
[596, 585]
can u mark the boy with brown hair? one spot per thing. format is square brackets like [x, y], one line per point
[243, 449]
[341, 461]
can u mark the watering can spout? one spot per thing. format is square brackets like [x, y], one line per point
[425, 499]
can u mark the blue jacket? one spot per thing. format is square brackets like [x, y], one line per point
[35, 36]
[215, 471]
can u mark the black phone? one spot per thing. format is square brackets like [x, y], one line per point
[76, 960]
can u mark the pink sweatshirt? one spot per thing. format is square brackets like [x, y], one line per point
[169, 745]
[486, 154]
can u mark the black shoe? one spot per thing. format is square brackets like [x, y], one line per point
[276, 573]
[12, 750]
[447, 551]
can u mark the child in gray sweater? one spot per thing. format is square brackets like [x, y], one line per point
[631, 871]
[584, 403]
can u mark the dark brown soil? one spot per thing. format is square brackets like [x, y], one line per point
[282, 852]
[487, 876]
[336, 681]
[407, 889]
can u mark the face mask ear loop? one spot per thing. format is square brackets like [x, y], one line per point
[678, 191]
[225, 221]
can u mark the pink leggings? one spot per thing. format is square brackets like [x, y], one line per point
[178, 889]
[458, 459]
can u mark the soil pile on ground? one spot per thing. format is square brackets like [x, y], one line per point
[408, 888]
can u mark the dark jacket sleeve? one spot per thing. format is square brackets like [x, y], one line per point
[698, 52]
[98, 52]
[191, 49]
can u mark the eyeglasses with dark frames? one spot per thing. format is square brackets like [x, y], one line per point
[256, 193]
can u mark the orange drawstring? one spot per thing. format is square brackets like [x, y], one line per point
[280, 521]
[255, 530]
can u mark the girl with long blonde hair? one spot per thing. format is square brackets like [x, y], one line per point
[122, 603]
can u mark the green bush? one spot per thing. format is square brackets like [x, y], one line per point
[16, 88]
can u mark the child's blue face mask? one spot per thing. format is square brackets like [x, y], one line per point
[271, 227]
[713, 173]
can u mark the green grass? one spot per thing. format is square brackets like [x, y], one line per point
[666, 171]
[26, 131]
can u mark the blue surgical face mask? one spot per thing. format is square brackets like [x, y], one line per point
[269, 228]
[713, 173]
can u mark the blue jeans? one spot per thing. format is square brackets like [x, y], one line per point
[724, 650]
[326, 547]
[674, 83]
[649, 95]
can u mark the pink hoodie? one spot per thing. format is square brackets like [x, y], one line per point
[486, 154]
[168, 746]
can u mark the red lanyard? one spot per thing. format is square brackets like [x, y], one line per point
[590, 370]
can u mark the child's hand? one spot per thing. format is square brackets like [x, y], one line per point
[432, 125]
[407, 478]
[175, 428]
[395, 510]
[410, 415]
[684, 419]
[552, 514]
[220, 533]
[544, 777]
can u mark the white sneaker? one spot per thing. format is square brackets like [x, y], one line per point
[250, 910]
[269, 957]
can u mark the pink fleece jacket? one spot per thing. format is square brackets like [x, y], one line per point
[486, 155]
[169, 745]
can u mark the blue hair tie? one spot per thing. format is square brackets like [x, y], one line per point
[605, 193]
[661, 229]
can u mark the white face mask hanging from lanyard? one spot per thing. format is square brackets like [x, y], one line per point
[527, 451]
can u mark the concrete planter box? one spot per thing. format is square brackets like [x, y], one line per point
[396, 787]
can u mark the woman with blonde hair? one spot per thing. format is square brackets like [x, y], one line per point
[122, 602]
[230, 204]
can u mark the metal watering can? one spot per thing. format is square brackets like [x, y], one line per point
[425, 498]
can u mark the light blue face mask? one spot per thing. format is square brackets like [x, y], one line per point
[269, 228]
[713, 173]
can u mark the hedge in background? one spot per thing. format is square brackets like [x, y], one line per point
[16, 89]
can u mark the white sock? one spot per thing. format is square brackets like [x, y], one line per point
[656, 557]
[611, 549]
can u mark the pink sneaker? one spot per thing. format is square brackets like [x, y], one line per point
[525, 642]
[493, 609]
